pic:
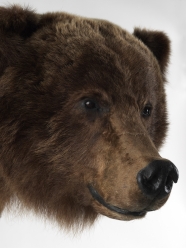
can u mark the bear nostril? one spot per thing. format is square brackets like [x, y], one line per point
[172, 177]
[156, 179]
[151, 183]
[168, 185]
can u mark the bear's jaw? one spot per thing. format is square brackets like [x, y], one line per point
[113, 208]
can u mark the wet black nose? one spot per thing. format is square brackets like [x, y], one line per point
[157, 178]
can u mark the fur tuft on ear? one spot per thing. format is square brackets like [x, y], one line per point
[18, 20]
[157, 42]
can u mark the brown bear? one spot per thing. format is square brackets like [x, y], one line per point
[82, 115]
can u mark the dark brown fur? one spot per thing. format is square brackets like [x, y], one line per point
[51, 146]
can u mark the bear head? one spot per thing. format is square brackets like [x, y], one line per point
[82, 116]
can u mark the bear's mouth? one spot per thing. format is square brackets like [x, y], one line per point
[113, 208]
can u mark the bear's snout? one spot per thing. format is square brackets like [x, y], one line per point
[156, 179]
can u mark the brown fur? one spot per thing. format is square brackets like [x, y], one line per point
[51, 146]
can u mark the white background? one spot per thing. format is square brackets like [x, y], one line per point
[160, 229]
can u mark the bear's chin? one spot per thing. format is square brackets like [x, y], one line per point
[104, 208]
[116, 215]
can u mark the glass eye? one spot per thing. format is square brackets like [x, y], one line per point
[90, 104]
[147, 111]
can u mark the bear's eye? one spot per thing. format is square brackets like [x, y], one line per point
[147, 111]
[90, 104]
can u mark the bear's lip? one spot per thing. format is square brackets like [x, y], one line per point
[118, 210]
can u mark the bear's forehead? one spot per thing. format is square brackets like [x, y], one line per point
[97, 54]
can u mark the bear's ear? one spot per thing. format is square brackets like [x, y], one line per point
[16, 25]
[157, 42]
[18, 21]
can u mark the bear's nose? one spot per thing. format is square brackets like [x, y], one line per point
[157, 178]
